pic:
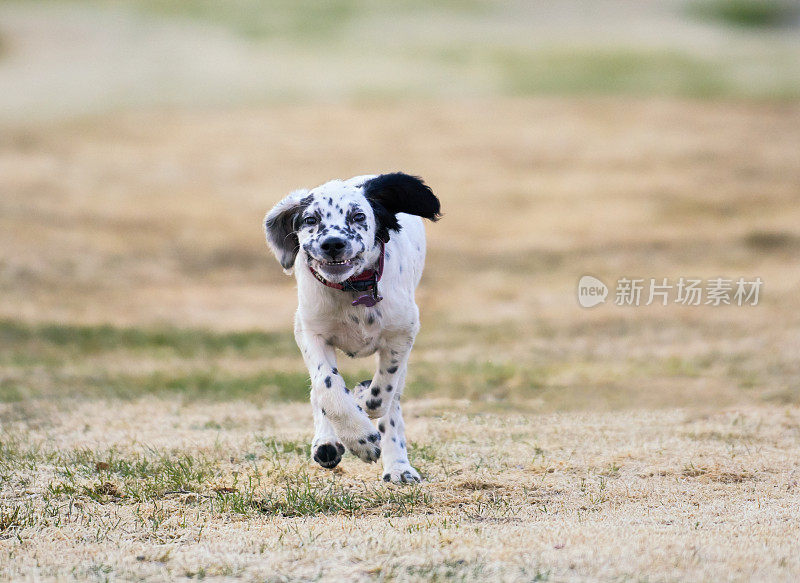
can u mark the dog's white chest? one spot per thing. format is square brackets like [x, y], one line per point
[356, 332]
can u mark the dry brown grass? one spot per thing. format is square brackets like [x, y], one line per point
[656, 495]
[639, 443]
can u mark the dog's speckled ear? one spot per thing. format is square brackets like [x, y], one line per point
[280, 227]
[394, 193]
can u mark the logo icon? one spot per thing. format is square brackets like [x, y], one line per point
[591, 291]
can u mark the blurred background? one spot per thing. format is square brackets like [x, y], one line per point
[142, 141]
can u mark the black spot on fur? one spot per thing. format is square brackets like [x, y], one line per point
[391, 422]
[387, 477]
[389, 388]
[354, 319]
[328, 382]
[381, 428]
[374, 403]
[323, 412]
[374, 437]
[394, 439]
[362, 441]
[370, 320]
[340, 448]
[376, 391]
[391, 369]
[335, 370]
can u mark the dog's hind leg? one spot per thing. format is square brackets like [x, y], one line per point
[396, 467]
[381, 398]
[376, 398]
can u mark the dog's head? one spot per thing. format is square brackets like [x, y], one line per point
[339, 225]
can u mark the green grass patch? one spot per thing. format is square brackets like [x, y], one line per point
[477, 380]
[212, 385]
[609, 71]
[747, 13]
[638, 71]
[18, 338]
[273, 482]
[59, 360]
[307, 21]
[302, 496]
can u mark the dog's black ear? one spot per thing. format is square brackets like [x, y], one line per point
[394, 193]
[280, 227]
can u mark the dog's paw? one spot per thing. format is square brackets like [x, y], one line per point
[375, 403]
[328, 455]
[362, 441]
[401, 473]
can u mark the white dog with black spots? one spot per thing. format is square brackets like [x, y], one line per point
[357, 250]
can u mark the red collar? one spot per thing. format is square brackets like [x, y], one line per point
[365, 281]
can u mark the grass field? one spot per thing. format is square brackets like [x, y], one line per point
[154, 422]
[171, 488]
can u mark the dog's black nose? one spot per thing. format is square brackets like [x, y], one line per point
[333, 246]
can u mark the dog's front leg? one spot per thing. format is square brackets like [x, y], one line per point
[326, 449]
[336, 413]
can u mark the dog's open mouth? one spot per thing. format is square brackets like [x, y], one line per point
[337, 270]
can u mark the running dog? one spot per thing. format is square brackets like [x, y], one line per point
[357, 250]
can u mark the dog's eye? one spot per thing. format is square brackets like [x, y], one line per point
[359, 218]
[310, 221]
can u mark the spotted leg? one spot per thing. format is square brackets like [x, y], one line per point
[336, 413]
[326, 449]
[396, 467]
[381, 398]
[376, 396]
